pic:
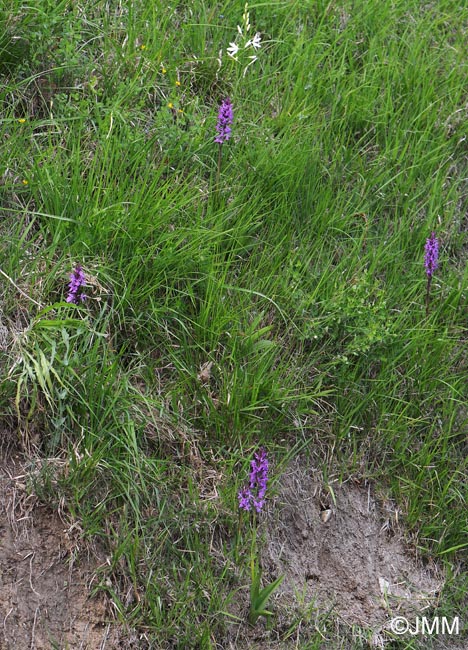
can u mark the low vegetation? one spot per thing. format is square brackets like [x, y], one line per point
[241, 280]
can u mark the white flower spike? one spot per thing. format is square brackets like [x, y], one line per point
[256, 41]
[238, 49]
[232, 50]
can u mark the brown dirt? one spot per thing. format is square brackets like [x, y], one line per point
[348, 556]
[44, 579]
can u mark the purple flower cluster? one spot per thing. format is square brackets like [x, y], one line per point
[255, 493]
[77, 282]
[225, 117]
[431, 255]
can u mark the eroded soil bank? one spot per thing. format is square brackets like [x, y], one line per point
[45, 577]
[344, 549]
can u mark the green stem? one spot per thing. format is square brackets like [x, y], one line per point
[218, 172]
[254, 574]
[428, 290]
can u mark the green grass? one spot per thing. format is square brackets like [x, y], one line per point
[301, 280]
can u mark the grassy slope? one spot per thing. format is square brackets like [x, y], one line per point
[301, 280]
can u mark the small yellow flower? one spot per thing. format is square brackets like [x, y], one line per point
[170, 105]
[22, 120]
[179, 110]
[163, 70]
[142, 47]
[177, 83]
[25, 182]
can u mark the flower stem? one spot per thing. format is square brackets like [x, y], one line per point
[216, 186]
[218, 171]
[428, 290]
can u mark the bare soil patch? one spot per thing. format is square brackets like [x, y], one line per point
[344, 553]
[44, 580]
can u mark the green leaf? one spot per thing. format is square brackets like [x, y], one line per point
[266, 592]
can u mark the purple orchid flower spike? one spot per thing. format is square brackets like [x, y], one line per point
[431, 262]
[225, 118]
[75, 288]
[431, 257]
[244, 497]
[254, 494]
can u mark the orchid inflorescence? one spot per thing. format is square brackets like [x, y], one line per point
[75, 288]
[431, 262]
[254, 494]
[431, 256]
[225, 118]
